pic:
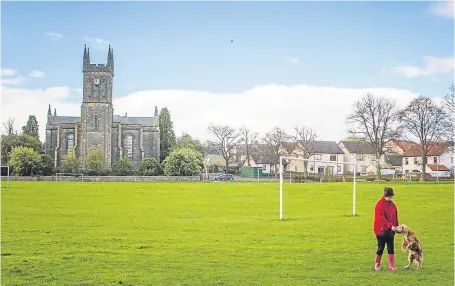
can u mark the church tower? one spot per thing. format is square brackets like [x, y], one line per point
[97, 110]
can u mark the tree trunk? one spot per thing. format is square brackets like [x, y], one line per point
[305, 169]
[227, 164]
[424, 167]
[378, 167]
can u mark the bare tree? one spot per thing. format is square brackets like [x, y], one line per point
[427, 122]
[275, 138]
[375, 121]
[9, 126]
[449, 106]
[226, 140]
[304, 141]
[247, 137]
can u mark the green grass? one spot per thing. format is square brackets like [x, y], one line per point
[216, 233]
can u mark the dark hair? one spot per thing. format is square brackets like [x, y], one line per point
[388, 192]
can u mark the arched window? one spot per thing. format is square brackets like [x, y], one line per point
[69, 142]
[96, 122]
[129, 145]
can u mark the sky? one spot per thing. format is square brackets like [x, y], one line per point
[255, 64]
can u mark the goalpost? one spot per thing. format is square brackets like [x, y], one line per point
[3, 168]
[59, 175]
[332, 163]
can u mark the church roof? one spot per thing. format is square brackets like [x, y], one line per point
[63, 119]
[144, 121]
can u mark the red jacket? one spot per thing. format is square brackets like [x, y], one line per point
[385, 216]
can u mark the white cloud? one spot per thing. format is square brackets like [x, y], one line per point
[12, 81]
[444, 9]
[261, 108]
[8, 72]
[433, 66]
[36, 74]
[292, 60]
[98, 43]
[55, 37]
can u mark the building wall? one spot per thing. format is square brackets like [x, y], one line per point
[315, 165]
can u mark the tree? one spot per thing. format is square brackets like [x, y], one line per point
[449, 106]
[8, 126]
[72, 163]
[46, 165]
[31, 128]
[304, 141]
[8, 142]
[94, 161]
[374, 120]
[427, 122]
[275, 139]
[247, 137]
[186, 141]
[25, 161]
[167, 135]
[183, 162]
[150, 167]
[123, 167]
[226, 140]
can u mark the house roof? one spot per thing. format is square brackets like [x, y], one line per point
[436, 167]
[144, 121]
[63, 119]
[360, 147]
[403, 144]
[317, 147]
[436, 149]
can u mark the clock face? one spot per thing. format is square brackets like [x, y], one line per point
[96, 81]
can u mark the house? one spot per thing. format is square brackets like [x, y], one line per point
[440, 156]
[327, 157]
[362, 153]
[438, 171]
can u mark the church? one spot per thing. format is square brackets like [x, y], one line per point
[98, 127]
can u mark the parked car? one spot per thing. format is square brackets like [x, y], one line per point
[224, 177]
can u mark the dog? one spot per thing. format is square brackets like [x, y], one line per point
[411, 245]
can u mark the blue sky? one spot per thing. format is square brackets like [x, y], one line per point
[187, 46]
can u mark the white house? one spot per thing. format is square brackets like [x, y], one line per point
[327, 157]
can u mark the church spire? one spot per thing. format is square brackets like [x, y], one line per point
[156, 111]
[86, 56]
[110, 57]
[55, 111]
[49, 112]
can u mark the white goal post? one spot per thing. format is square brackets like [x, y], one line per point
[57, 175]
[281, 170]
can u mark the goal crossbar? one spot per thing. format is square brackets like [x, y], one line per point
[68, 175]
[316, 161]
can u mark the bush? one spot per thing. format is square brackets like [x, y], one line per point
[183, 162]
[94, 161]
[123, 167]
[72, 163]
[150, 167]
[47, 165]
[24, 161]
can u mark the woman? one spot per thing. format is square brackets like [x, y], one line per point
[385, 221]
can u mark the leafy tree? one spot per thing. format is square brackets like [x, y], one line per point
[150, 167]
[25, 161]
[183, 162]
[167, 135]
[9, 141]
[186, 141]
[47, 165]
[72, 163]
[123, 167]
[31, 128]
[94, 161]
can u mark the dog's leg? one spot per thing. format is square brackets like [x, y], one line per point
[419, 261]
[410, 260]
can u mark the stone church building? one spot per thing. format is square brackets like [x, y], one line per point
[119, 136]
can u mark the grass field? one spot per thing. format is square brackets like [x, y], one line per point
[216, 233]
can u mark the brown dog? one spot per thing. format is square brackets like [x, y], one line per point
[411, 245]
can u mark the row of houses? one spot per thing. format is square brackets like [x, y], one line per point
[328, 157]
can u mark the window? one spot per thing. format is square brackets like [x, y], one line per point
[406, 161]
[339, 169]
[312, 169]
[415, 161]
[364, 169]
[264, 167]
[359, 157]
[295, 168]
[96, 122]
[129, 146]
[317, 157]
[69, 142]
[435, 160]
[333, 157]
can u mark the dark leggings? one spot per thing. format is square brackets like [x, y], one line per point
[382, 241]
